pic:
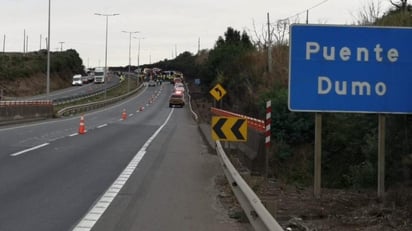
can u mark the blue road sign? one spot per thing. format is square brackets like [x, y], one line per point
[350, 69]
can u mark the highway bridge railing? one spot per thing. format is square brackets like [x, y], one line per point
[76, 109]
[15, 111]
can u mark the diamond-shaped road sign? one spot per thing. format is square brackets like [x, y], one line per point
[229, 128]
[218, 92]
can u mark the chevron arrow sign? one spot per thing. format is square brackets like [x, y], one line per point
[229, 129]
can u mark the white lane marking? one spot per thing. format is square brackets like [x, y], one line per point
[102, 126]
[91, 218]
[74, 134]
[30, 149]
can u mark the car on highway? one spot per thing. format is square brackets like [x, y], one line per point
[85, 79]
[177, 80]
[151, 83]
[179, 89]
[77, 80]
[177, 99]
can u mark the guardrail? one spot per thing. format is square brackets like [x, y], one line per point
[195, 116]
[75, 98]
[258, 215]
[90, 106]
[252, 122]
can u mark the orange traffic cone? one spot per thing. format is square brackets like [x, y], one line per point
[124, 115]
[82, 128]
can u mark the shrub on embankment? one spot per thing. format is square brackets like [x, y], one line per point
[24, 74]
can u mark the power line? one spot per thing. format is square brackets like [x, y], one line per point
[305, 11]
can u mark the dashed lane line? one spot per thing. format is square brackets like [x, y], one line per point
[102, 126]
[29, 149]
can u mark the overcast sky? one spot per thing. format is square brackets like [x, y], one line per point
[166, 26]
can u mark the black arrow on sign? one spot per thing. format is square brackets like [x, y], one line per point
[235, 129]
[218, 128]
[218, 91]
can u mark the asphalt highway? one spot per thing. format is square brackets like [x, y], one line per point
[151, 171]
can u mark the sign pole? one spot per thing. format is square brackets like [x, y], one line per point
[318, 155]
[381, 156]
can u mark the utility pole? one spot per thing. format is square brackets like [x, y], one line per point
[61, 46]
[27, 43]
[4, 43]
[198, 45]
[24, 41]
[40, 41]
[269, 47]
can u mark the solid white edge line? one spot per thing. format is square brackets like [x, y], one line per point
[30, 149]
[94, 214]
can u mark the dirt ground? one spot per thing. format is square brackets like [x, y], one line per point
[339, 210]
[295, 208]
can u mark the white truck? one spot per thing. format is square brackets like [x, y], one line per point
[99, 75]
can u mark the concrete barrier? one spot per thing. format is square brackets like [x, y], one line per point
[17, 111]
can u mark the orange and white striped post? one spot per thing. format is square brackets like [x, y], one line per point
[268, 133]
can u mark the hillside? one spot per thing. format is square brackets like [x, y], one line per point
[25, 74]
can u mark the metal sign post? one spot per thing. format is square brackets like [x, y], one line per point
[381, 156]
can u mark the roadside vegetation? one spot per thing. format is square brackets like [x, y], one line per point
[25, 74]
[239, 63]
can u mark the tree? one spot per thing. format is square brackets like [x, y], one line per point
[400, 5]
[370, 13]
[228, 50]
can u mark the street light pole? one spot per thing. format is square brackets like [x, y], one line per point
[138, 51]
[130, 60]
[105, 54]
[48, 56]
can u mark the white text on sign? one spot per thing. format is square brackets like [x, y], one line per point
[345, 53]
[325, 83]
